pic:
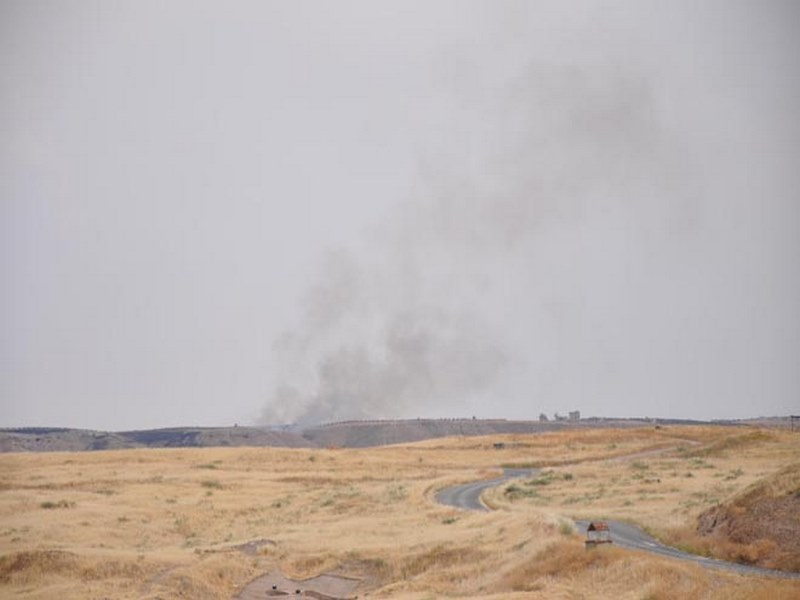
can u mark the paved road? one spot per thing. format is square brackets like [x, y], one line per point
[629, 536]
[468, 496]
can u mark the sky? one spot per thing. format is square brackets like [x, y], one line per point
[301, 212]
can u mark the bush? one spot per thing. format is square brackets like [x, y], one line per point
[514, 492]
[396, 493]
[565, 528]
[60, 504]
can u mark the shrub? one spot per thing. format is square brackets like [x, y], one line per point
[545, 478]
[514, 492]
[565, 528]
[735, 474]
[396, 492]
[60, 504]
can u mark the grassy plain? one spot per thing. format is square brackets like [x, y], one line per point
[176, 523]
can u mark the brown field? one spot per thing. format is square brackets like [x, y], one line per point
[176, 523]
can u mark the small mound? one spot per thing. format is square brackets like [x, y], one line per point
[761, 525]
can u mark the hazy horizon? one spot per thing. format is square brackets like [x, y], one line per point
[259, 212]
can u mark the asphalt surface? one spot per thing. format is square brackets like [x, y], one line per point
[629, 536]
[468, 497]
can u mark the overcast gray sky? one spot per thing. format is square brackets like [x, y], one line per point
[218, 212]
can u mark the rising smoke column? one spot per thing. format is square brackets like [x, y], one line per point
[432, 315]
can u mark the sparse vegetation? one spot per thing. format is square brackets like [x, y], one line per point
[735, 474]
[143, 524]
[515, 491]
[49, 505]
[210, 466]
[212, 483]
[756, 526]
[396, 492]
[544, 478]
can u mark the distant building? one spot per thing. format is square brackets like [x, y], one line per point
[575, 415]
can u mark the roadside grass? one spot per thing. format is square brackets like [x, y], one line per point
[758, 524]
[612, 572]
[559, 559]
[667, 493]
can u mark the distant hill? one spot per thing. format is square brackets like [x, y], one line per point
[348, 434]
[39, 439]
[362, 434]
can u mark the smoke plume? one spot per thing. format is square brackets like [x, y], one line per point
[423, 321]
[604, 218]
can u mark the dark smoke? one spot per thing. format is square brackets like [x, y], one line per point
[428, 320]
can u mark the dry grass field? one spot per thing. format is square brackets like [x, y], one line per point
[201, 523]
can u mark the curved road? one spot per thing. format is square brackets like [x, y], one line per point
[468, 497]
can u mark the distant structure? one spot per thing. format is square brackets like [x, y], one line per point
[543, 418]
[574, 415]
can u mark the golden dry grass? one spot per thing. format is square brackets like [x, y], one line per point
[169, 523]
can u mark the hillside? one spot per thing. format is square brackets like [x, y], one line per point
[350, 434]
[50, 439]
[761, 524]
[364, 434]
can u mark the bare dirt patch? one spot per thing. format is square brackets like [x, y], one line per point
[327, 586]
